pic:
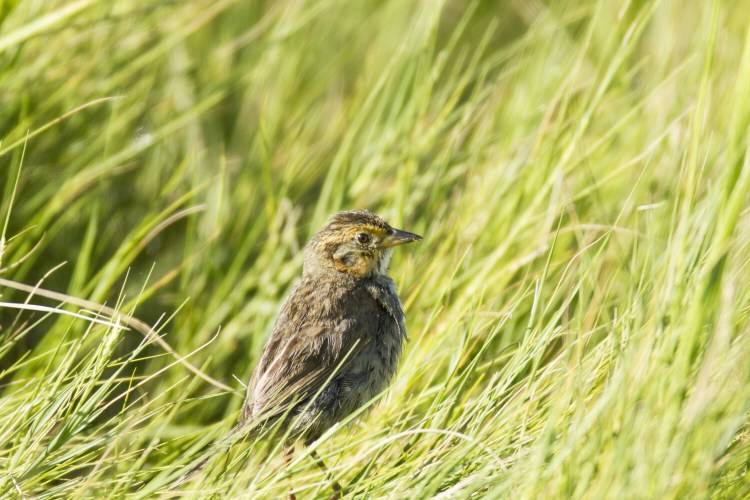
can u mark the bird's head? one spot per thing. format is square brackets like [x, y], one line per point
[358, 243]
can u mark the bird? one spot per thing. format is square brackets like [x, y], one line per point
[337, 339]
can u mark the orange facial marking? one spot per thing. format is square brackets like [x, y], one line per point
[379, 231]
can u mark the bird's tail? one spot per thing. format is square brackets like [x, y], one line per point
[238, 432]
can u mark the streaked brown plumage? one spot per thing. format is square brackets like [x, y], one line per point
[337, 340]
[339, 333]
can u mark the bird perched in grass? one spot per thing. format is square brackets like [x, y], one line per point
[338, 337]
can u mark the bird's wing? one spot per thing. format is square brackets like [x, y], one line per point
[295, 368]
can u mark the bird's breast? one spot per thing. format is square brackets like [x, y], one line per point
[373, 368]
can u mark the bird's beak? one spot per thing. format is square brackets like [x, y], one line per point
[397, 237]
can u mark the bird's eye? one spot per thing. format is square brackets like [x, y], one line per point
[363, 238]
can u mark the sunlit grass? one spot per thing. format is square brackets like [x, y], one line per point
[578, 309]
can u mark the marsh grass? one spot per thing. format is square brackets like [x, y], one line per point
[577, 311]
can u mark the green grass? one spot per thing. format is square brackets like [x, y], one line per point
[577, 312]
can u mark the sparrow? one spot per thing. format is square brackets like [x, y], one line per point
[338, 337]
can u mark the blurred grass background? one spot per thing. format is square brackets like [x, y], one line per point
[577, 312]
